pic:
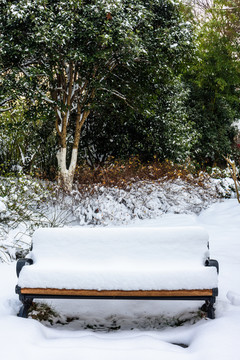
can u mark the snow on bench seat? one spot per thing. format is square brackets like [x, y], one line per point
[119, 259]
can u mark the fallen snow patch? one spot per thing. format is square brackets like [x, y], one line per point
[234, 298]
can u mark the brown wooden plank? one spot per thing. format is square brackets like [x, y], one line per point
[136, 293]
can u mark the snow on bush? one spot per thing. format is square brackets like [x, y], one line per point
[143, 200]
[21, 199]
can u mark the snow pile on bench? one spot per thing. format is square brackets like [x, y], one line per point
[119, 259]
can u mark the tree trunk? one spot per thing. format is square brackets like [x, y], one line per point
[66, 175]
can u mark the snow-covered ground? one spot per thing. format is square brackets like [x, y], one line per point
[137, 329]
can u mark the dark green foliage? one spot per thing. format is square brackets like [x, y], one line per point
[213, 124]
[126, 54]
[27, 140]
[163, 130]
[213, 80]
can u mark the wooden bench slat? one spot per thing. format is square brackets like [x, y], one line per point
[112, 293]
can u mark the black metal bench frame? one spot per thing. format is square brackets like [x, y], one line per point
[26, 296]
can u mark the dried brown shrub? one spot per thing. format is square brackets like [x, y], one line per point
[121, 174]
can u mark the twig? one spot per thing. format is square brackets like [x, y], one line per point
[233, 171]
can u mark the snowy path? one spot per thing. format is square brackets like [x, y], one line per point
[219, 338]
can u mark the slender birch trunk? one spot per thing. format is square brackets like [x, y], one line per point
[66, 175]
[74, 95]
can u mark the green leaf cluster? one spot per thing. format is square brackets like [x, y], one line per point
[213, 79]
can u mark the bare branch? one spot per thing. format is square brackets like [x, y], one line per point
[7, 109]
[233, 170]
[5, 101]
[119, 95]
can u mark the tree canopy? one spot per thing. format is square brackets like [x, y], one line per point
[68, 55]
[121, 77]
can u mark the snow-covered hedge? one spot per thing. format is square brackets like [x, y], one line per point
[143, 200]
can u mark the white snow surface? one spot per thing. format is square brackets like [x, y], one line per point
[118, 258]
[146, 328]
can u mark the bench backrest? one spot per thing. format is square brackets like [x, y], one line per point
[121, 245]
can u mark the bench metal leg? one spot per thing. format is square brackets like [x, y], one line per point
[211, 310]
[25, 308]
[208, 307]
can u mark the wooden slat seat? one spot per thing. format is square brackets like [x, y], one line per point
[118, 293]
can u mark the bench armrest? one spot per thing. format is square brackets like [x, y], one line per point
[211, 262]
[21, 263]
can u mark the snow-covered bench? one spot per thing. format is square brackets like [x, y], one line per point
[119, 263]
